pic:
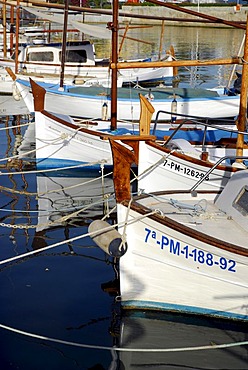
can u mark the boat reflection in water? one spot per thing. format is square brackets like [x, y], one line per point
[154, 331]
[69, 197]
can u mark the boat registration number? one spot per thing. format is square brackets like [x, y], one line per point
[184, 170]
[197, 255]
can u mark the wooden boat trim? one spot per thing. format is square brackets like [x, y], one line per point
[177, 63]
[191, 159]
[166, 221]
[101, 135]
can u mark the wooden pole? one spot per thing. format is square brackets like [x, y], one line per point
[177, 63]
[206, 18]
[4, 30]
[114, 28]
[62, 73]
[17, 35]
[12, 11]
[242, 117]
[161, 41]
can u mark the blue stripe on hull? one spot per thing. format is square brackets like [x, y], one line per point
[132, 304]
[50, 163]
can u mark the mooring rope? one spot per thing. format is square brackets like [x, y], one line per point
[110, 227]
[16, 126]
[53, 169]
[152, 167]
[122, 349]
[24, 192]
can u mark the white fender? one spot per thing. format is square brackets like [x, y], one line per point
[110, 241]
[15, 92]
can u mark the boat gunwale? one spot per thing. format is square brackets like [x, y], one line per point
[178, 227]
[193, 160]
[102, 135]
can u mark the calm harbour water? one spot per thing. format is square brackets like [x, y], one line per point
[66, 292]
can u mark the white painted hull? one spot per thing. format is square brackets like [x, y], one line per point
[174, 282]
[191, 256]
[58, 145]
[129, 109]
[160, 169]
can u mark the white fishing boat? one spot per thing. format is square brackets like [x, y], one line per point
[194, 245]
[80, 101]
[62, 141]
[43, 61]
[180, 167]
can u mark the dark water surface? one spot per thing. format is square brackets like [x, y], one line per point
[56, 293]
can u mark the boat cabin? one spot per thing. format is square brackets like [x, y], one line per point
[233, 199]
[46, 58]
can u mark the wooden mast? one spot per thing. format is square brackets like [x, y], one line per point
[4, 30]
[17, 35]
[62, 73]
[161, 41]
[114, 28]
[242, 117]
[12, 16]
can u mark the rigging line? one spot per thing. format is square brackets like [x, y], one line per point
[110, 227]
[23, 192]
[16, 126]
[53, 169]
[152, 167]
[14, 191]
[120, 349]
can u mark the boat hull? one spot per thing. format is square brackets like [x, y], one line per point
[61, 145]
[162, 169]
[88, 103]
[168, 270]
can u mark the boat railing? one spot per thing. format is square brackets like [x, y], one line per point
[196, 121]
[206, 176]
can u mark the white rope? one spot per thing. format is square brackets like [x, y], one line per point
[152, 167]
[120, 349]
[110, 227]
[53, 169]
[16, 126]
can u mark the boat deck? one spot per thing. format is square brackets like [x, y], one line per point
[199, 214]
[157, 93]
